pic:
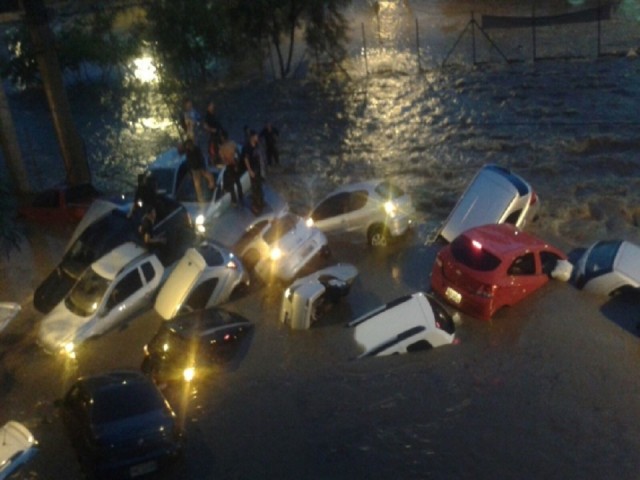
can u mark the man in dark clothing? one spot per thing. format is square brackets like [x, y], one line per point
[146, 229]
[195, 162]
[217, 134]
[251, 160]
[270, 136]
[232, 174]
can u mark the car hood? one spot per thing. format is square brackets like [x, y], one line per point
[149, 428]
[59, 327]
[53, 289]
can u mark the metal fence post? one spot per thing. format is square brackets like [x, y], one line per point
[364, 44]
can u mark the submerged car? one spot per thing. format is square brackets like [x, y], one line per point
[408, 324]
[60, 204]
[280, 247]
[206, 276]
[492, 266]
[376, 210]
[112, 289]
[305, 299]
[495, 195]
[120, 425]
[17, 447]
[106, 226]
[173, 178]
[194, 346]
[608, 267]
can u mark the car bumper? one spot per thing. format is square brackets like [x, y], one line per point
[469, 303]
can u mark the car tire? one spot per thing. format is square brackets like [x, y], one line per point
[378, 237]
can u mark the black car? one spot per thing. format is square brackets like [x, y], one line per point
[107, 232]
[196, 345]
[120, 424]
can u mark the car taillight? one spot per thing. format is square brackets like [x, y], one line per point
[487, 291]
[534, 198]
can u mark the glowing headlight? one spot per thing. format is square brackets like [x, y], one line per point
[288, 294]
[390, 208]
[200, 220]
[69, 350]
[309, 222]
[275, 253]
[188, 374]
[232, 264]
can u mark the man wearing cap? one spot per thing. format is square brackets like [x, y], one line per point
[251, 160]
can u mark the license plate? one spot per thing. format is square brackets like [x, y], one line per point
[452, 295]
[143, 468]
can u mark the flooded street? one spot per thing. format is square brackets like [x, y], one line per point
[547, 389]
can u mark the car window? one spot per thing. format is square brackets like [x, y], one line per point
[87, 294]
[201, 294]
[357, 200]
[473, 255]
[148, 271]
[419, 346]
[126, 287]
[388, 191]
[549, 260]
[523, 265]
[332, 206]
[164, 179]
[513, 217]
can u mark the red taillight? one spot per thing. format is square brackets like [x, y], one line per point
[534, 198]
[487, 291]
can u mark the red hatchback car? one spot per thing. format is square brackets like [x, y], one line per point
[488, 267]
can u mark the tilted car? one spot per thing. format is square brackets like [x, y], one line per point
[111, 290]
[408, 324]
[306, 298]
[193, 346]
[492, 266]
[17, 447]
[495, 195]
[608, 267]
[280, 247]
[173, 179]
[106, 226]
[376, 210]
[120, 425]
[206, 276]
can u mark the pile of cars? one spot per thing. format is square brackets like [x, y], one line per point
[486, 262]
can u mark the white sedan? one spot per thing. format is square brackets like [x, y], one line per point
[280, 247]
[206, 276]
[17, 446]
[112, 289]
[608, 267]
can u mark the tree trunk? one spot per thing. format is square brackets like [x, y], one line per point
[71, 145]
[11, 148]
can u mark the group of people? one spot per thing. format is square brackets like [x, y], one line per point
[223, 151]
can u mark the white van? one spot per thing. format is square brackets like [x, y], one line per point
[408, 324]
[495, 195]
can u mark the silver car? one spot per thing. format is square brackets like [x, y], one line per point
[17, 447]
[280, 247]
[376, 210]
[608, 267]
[495, 195]
[206, 276]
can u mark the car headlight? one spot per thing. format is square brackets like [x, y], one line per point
[288, 294]
[390, 208]
[232, 264]
[275, 254]
[200, 219]
[309, 222]
[188, 374]
[69, 349]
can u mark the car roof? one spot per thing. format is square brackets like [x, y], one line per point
[503, 238]
[110, 264]
[206, 322]
[168, 159]
[517, 181]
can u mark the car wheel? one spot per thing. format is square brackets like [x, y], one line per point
[378, 237]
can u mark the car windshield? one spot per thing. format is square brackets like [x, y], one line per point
[164, 179]
[473, 255]
[87, 294]
[389, 191]
[279, 227]
[601, 258]
[127, 400]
